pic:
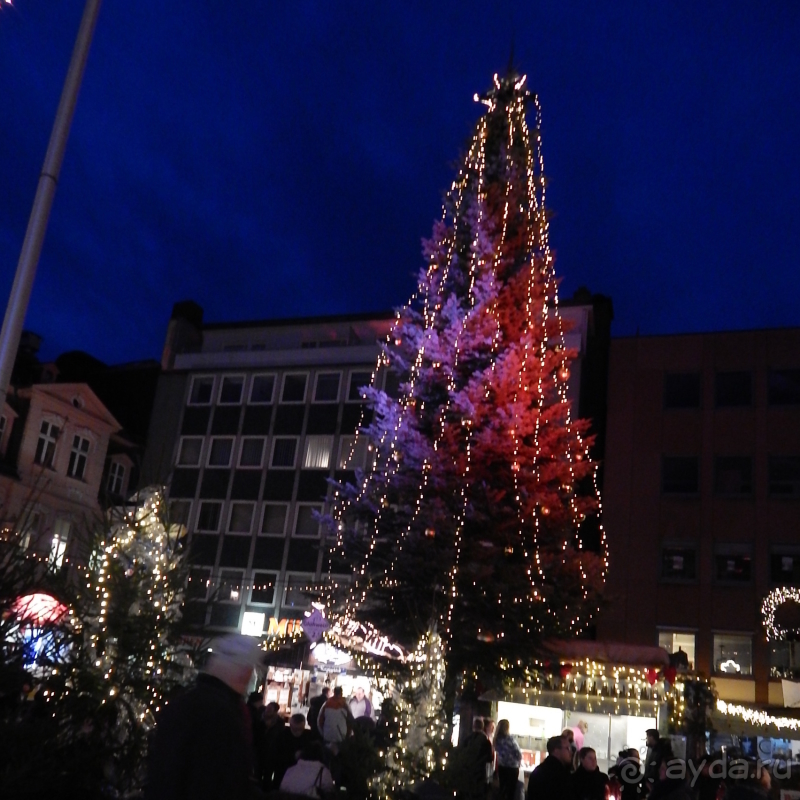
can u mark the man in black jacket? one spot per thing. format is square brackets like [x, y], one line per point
[313, 711]
[551, 779]
[202, 747]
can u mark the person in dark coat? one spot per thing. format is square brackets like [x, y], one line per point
[626, 775]
[202, 746]
[255, 705]
[274, 725]
[290, 741]
[314, 708]
[480, 756]
[551, 780]
[588, 783]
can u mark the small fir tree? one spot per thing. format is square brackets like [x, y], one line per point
[474, 514]
[100, 665]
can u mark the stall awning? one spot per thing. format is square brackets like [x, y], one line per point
[633, 655]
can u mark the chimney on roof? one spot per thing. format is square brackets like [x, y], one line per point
[184, 332]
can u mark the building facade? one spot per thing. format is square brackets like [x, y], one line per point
[702, 500]
[251, 423]
[71, 439]
[54, 446]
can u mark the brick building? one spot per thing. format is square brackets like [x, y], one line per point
[702, 500]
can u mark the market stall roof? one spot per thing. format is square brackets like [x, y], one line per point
[633, 655]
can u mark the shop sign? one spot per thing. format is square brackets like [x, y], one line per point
[315, 624]
[284, 627]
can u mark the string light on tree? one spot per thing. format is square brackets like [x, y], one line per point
[478, 515]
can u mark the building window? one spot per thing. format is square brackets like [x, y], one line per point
[675, 641]
[189, 452]
[306, 522]
[392, 384]
[784, 660]
[31, 525]
[262, 388]
[284, 449]
[116, 478]
[732, 564]
[318, 452]
[733, 389]
[294, 388]
[783, 387]
[58, 546]
[358, 380]
[202, 391]
[198, 584]
[219, 454]
[263, 590]
[208, 517]
[680, 475]
[252, 452]
[77, 457]
[733, 654]
[241, 519]
[326, 389]
[230, 392]
[678, 563]
[273, 521]
[682, 390]
[733, 475]
[784, 475]
[353, 452]
[784, 567]
[229, 589]
[46, 446]
[296, 588]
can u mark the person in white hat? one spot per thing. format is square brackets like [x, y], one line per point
[202, 747]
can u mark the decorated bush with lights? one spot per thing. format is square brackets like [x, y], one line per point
[477, 517]
[102, 653]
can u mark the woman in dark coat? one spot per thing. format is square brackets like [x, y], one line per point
[588, 782]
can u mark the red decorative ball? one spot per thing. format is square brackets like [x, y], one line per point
[652, 676]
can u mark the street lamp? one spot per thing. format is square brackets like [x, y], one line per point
[43, 201]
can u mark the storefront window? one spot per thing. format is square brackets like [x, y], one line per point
[532, 726]
[673, 641]
[733, 654]
[784, 660]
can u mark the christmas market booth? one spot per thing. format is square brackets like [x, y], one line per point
[607, 694]
[309, 654]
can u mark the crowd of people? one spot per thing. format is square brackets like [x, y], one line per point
[573, 773]
[570, 771]
[209, 743]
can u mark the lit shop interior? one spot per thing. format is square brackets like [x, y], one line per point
[294, 688]
[532, 726]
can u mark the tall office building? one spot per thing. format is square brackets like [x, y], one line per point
[251, 423]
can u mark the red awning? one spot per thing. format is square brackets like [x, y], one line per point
[633, 655]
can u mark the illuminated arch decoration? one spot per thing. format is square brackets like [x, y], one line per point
[772, 602]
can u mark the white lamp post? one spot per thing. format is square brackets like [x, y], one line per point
[43, 201]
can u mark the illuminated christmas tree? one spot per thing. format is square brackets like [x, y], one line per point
[474, 515]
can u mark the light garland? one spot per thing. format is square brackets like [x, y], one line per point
[756, 717]
[551, 360]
